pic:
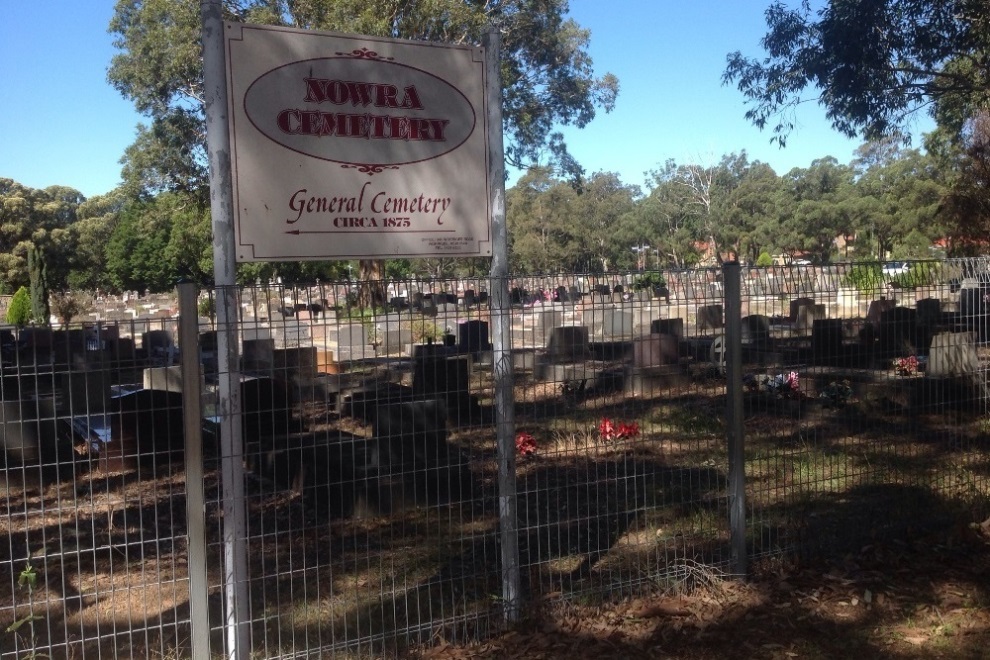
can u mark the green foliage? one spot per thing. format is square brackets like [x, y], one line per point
[38, 273]
[868, 85]
[764, 260]
[865, 278]
[426, 331]
[207, 307]
[650, 281]
[918, 275]
[19, 311]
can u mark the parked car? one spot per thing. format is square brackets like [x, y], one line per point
[892, 268]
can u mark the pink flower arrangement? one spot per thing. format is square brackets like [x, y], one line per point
[906, 366]
[608, 430]
[525, 443]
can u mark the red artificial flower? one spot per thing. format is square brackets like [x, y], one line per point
[525, 443]
[606, 429]
[630, 430]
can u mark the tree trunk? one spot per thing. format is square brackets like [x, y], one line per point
[371, 289]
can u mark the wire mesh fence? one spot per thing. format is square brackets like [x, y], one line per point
[373, 515]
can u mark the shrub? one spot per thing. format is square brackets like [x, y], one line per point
[67, 305]
[764, 260]
[19, 312]
[865, 277]
[649, 281]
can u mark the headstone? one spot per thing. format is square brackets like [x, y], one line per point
[898, 332]
[952, 354]
[929, 312]
[756, 330]
[826, 340]
[147, 426]
[27, 433]
[710, 318]
[655, 350]
[806, 315]
[668, 327]
[351, 341]
[445, 379]
[167, 379]
[878, 307]
[257, 355]
[415, 463]
[611, 324]
[568, 343]
[973, 311]
[472, 336]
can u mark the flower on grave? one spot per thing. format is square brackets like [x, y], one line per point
[609, 430]
[525, 443]
[836, 394]
[630, 430]
[783, 383]
[906, 366]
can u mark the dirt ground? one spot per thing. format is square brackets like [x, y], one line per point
[928, 598]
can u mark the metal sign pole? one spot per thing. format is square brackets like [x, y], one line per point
[237, 608]
[501, 334]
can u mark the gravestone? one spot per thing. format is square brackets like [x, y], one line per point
[973, 310]
[29, 435]
[146, 427]
[446, 379]
[806, 315]
[568, 343]
[655, 350]
[472, 336]
[710, 317]
[952, 354]
[668, 327]
[167, 379]
[257, 355]
[413, 460]
[876, 308]
[351, 341]
[756, 330]
[929, 312]
[899, 334]
[826, 340]
[609, 324]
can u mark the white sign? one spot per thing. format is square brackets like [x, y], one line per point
[356, 147]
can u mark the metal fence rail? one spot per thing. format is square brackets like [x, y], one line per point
[368, 440]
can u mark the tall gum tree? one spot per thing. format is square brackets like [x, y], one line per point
[870, 63]
[547, 75]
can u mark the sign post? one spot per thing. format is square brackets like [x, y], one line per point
[237, 613]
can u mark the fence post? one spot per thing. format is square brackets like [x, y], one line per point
[734, 415]
[505, 422]
[199, 619]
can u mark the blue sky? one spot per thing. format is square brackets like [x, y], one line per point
[62, 123]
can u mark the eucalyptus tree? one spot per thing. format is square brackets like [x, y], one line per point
[595, 216]
[35, 218]
[870, 64]
[540, 216]
[814, 208]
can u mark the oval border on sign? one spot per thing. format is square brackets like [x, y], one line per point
[367, 166]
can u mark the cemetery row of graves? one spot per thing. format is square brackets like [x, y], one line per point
[369, 440]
